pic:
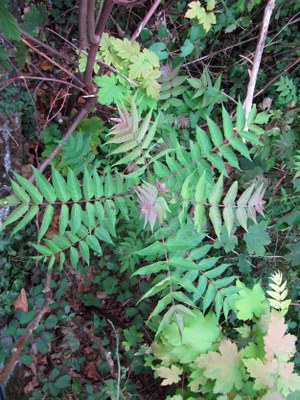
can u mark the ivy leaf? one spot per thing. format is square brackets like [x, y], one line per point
[170, 375]
[250, 303]
[223, 366]
[257, 238]
[110, 89]
[198, 12]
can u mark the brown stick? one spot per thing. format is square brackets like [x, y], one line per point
[83, 43]
[16, 351]
[81, 114]
[258, 55]
[145, 20]
[91, 22]
[92, 54]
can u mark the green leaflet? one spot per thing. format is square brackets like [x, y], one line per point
[20, 192]
[227, 124]
[60, 186]
[16, 214]
[30, 188]
[63, 219]
[46, 221]
[26, 219]
[44, 186]
[74, 186]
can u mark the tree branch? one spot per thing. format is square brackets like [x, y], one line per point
[257, 57]
[91, 22]
[83, 43]
[145, 20]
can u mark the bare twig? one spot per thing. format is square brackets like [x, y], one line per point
[39, 78]
[16, 351]
[145, 20]
[258, 55]
[81, 114]
[274, 79]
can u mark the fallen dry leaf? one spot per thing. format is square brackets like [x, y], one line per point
[21, 302]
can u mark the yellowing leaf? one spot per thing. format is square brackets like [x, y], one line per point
[170, 375]
[277, 343]
[223, 366]
[207, 19]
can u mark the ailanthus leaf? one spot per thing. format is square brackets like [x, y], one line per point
[44, 186]
[227, 124]
[76, 217]
[20, 192]
[47, 218]
[33, 211]
[215, 132]
[31, 189]
[60, 186]
[216, 192]
[229, 155]
[216, 219]
[63, 219]
[16, 214]
[203, 140]
[74, 186]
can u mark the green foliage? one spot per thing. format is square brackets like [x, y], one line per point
[207, 19]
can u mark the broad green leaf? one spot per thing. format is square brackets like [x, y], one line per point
[230, 197]
[60, 186]
[52, 246]
[144, 127]
[242, 217]
[227, 124]
[33, 211]
[93, 243]
[215, 272]
[167, 318]
[98, 184]
[150, 136]
[215, 132]
[251, 302]
[88, 185]
[47, 218]
[217, 192]
[229, 155]
[228, 216]
[152, 268]
[42, 249]
[74, 186]
[30, 188]
[76, 217]
[161, 305]
[244, 198]
[63, 219]
[90, 220]
[84, 251]
[240, 146]
[185, 190]
[102, 234]
[74, 257]
[130, 157]
[20, 192]
[203, 140]
[216, 219]
[257, 238]
[252, 138]
[158, 287]
[208, 263]
[252, 115]
[44, 186]
[240, 117]
[109, 186]
[16, 214]
[209, 297]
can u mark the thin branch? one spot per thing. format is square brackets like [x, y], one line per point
[38, 78]
[83, 43]
[91, 22]
[258, 55]
[50, 60]
[81, 114]
[16, 351]
[274, 79]
[49, 48]
[145, 20]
